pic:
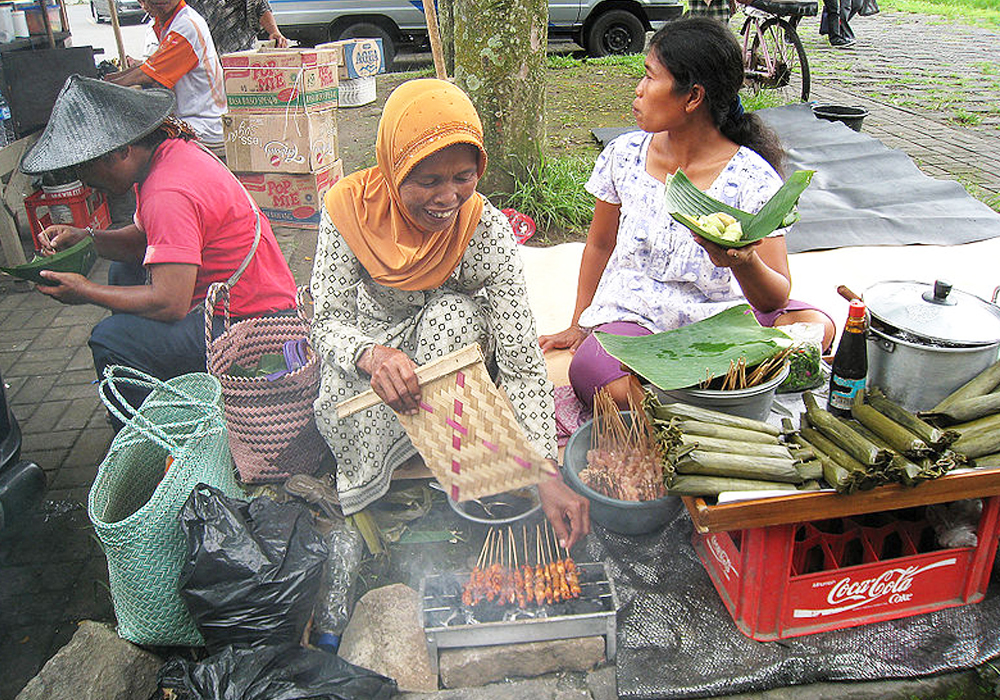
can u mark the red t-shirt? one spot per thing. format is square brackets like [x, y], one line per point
[194, 211]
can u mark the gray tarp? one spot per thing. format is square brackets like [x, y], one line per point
[677, 640]
[864, 193]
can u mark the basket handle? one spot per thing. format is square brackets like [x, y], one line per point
[156, 433]
[221, 289]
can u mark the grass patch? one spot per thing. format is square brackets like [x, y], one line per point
[634, 64]
[554, 195]
[762, 99]
[967, 118]
[562, 61]
[982, 12]
[972, 186]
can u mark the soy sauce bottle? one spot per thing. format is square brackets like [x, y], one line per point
[850, 364]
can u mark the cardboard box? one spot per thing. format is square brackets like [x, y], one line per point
[276, 80]
[281, 143]
[292, 200]
[358, 58]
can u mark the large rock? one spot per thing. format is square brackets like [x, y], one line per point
[385, 635]
[95, 665]
[474, 666]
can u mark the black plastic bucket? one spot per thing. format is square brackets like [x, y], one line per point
[851, 116]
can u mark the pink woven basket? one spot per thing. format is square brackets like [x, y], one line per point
[272, 431]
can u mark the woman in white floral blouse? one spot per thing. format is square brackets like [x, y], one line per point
[641, 271]
[411, 264]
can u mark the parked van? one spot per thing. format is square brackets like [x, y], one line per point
[602, 27]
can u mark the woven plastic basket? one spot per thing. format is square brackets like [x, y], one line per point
[137, 496]
[465, 429]
[272, 431]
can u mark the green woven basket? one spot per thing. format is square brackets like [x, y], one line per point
[136, 498]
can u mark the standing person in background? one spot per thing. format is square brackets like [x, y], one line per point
[187, 63]
[834, 22]
[721, 10]
[235, 23]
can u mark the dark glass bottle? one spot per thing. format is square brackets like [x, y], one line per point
[850, 364]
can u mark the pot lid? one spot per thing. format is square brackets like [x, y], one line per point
[935, 313]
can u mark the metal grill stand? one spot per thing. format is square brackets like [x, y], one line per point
[448, 624]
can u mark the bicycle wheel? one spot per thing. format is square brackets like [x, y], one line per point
[778, 61]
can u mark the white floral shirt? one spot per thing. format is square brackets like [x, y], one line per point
[658, 276]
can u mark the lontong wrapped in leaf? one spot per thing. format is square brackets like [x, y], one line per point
[843, 435]
[840, 469]
[980, 385]
[900, 468]
[737, 447]
[693, 427]
[706, 415]
[697, 485]
[979, 437]
[965, 410]
[896, 436]
[933, 436]
[813, 469]
[738, 466]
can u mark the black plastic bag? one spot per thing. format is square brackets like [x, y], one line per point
[285, 672]
[252, 570]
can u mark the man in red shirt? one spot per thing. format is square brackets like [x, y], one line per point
[194, 225]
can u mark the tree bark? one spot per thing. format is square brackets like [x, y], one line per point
[500, 62]
[446, 20]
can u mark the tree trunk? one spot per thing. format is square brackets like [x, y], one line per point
[500, 62]
[446, 20]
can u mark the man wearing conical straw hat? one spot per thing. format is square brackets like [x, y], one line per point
[194, 225]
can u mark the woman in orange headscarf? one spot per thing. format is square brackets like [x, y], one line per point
[412, 263]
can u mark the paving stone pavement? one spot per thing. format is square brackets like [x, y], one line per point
[52, 571]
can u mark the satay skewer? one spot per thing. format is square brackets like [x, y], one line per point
[527, 574]
[539, 574]
[572, 575]
[560, 591]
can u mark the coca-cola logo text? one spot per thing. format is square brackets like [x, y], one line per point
[722, 556]
[892, 584]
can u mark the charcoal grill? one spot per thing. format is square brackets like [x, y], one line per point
[449, 624]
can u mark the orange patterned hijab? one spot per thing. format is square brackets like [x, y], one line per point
[420, 118]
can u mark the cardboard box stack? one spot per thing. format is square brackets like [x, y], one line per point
[281, 129]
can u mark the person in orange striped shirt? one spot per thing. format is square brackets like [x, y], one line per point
[187, 63]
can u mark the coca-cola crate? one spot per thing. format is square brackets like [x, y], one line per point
[789, 580]
[81, 207]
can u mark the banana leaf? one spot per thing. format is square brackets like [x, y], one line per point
[685, 201]
[78, 258]
[686, 356]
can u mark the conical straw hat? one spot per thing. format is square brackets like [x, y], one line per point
[92, 118]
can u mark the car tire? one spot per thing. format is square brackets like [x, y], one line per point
[616, 32]
[370, 30]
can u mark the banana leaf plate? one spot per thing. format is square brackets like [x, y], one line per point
[79, 258]
[685, 202]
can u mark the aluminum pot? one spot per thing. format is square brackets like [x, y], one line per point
[925, 341]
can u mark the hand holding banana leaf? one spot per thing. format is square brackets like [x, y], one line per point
[727, 226]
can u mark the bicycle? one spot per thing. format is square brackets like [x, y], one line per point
[773, 55]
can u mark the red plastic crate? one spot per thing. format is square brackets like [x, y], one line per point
[790, 580]
[89, 208]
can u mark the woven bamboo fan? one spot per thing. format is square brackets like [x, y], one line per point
[465, 429]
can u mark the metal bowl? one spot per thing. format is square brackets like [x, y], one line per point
[502, 509]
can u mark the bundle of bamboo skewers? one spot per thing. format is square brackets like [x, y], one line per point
[497, 577]
[739, 378]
